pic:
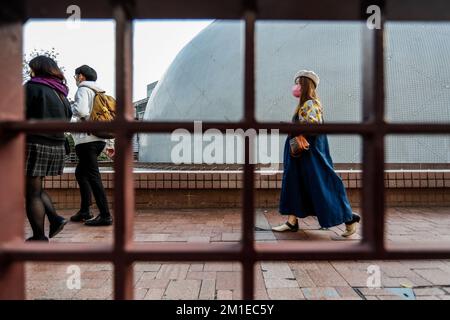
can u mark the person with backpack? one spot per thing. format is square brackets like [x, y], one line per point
[46, 99]
[89, 99]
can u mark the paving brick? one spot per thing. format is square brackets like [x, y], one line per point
[395, 297]
[427, 298]
[303, 279]
[320, 293]
[154, 294]
[276, 270]
[231, 236]
[173, 271]
[261, 295]
[153, 284]
[94, 283]
[199, 239]
[201, 275]
[348, 293]
[326, 276]
[259, 279]
[140, 293]
[395, 269]
[435, 276]
[224, 295]
[196, 267]
[208, 290]
[429, 292]
[376, 292]
[237, 294]
[218, 266]
[183, 290]
[147, 276]
[228, 280]
[285, 294]
[94, 294]
[398, 282]
[280, 283]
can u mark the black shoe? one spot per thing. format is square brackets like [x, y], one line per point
[81, 216]
[56, 226]
[355, 219]
[43, 239]
[99, 221]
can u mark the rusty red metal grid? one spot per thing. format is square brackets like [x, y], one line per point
[124, 252]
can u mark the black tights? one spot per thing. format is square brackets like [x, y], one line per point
[38, 204]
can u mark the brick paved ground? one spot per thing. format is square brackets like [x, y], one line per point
[280, 280]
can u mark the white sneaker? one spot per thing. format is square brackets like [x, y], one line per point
[287, 226]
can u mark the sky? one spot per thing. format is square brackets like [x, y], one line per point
[156, 44]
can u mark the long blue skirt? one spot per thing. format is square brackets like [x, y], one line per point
[311, 187]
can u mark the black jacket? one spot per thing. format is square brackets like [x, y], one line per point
[43, 103]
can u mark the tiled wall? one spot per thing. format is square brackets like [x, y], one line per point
[223, 189]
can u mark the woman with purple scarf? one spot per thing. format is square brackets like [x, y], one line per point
[46, 99]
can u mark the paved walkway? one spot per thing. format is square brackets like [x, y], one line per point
[274, 280]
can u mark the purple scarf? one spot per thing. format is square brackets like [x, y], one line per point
[52, 83]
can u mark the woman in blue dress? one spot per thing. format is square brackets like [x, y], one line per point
[310, 185]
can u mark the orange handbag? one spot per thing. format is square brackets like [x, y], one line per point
[298, 144]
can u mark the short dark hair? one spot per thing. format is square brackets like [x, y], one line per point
[89, 73]
[44, 66]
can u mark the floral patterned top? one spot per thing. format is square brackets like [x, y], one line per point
[310, 112]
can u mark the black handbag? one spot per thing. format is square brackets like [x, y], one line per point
[68, 113]
[67, 146]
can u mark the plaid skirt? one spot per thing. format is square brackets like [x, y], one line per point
[44, 160]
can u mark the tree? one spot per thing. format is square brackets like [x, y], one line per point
[27, 58]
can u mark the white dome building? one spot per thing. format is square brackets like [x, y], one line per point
[205, 82]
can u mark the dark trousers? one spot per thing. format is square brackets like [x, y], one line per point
[89, 178]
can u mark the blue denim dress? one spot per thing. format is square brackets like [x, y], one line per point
[310, 186]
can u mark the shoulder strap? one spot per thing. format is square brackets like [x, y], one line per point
[96, 91]
[66, 108]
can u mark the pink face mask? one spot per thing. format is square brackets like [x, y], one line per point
[296, 90]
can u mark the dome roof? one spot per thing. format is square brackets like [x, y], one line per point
[205, 82]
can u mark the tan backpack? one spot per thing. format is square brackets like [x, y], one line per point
[103, 109]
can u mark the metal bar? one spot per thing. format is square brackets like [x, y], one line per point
[311, 251]
[186, 252]
[248, 210]
[290, 251]
[19, 251]
[317, 10]
[417, 10]
[124, 253]
[431, 10]
[368, 110]
[63, 9]
[11, 158]
[314, 250]
[15, 127]
[378, 146]
[373, 144]
[415, 128]
[123, 164]
[194, 9]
